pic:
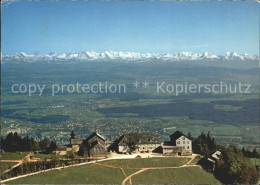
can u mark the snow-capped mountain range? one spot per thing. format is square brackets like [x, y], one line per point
[122, 57]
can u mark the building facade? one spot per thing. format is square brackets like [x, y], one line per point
[97, 145]
[138, 142]
[75, 144]
[179, 144]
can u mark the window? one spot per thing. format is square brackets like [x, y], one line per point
[183, 138]
[183, 142]
[178, 142]
[188, 142]
[188, 147]
[183, 147]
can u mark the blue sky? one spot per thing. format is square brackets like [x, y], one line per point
[157, 27]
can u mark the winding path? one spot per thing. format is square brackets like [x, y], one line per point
[95, 162]
[19, 162]
[156, 168]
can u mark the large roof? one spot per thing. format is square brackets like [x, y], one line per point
[139, 138]
[96, 134]
[176, 135]
[97, 144]
[216, 155]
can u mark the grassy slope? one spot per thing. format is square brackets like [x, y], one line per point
[97, 174]
[13, 155]
[147, 162]
[194, 161]
[190, 175]
[130, 171]
[86, 174]
[48, 156]
[6, 165]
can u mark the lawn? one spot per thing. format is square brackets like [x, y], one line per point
[48, 156]
[197, 159]
[6, 165]
[13, 155]
[188, 175]
[130, 171]
[86, 174]
[147, 162]
[97, 174]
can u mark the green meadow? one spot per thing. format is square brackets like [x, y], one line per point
[115, 171]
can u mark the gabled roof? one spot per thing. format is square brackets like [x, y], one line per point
[211, 160]
[216, 155]
[138, 138]
[177, 135]
[96, 134]
[97, 144]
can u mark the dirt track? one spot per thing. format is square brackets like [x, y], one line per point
[156, 168]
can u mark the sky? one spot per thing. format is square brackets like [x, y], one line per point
[137, 26]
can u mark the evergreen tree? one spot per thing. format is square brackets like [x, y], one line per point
[44, 144]
[189, 136]
[243, 151]
[254, 153]
[8, 143]
[35, 145]
[235, 168]
[52, 147]
[2, 143]
[16, 143]
[72, 135]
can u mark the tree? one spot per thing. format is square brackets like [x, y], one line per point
[235, 168]
[204, 144]
[26, 144]
[132, 146]
[52, 147]
[190, 136]
[44, 144]
[16, 143]
[35, 145]
[72, 135]
[8, 143]
[2, 143]
[243, 151]
[254, 153]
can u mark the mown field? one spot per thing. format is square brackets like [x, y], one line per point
[87, 174]
[146, 162]
[112, 172]
[190, 175]
[6, 165]
[13, 155]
